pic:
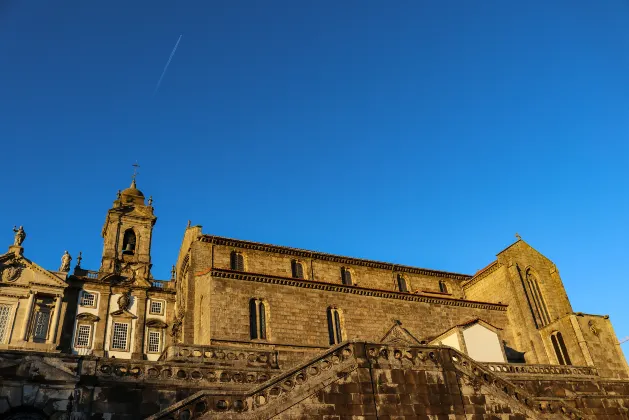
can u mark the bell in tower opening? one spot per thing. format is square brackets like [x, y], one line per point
[128, 242]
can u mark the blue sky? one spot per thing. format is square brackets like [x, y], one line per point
[427, 133]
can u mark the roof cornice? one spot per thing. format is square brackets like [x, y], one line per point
[303, 253]
[355, 290]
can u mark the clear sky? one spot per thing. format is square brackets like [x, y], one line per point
[420, 133]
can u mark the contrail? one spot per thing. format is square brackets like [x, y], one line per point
[166, 66]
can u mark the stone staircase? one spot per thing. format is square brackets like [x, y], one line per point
[372, 379]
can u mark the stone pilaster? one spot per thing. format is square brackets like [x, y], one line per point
[138, 342]
[101, 325]
[27, 315]
[52, 337]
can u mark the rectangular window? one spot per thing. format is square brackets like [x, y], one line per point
[41, 324]
[155, 338]
[5, 313]
[119, 336]
[157, 307]
[88, 299]
[298, 269]
[83, 335]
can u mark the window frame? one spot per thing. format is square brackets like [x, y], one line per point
[38, 315]
[82, 297]
[347, 277]
[8, 326]
[335, 325]
[401, 280]
[237, 261]
[297, 269]
[258, 319]
[89, 326]
[443, 287]
[127, 338]
[159, 341]
[162, 304]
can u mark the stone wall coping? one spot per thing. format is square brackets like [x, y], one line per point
[363, 291]
[297, 252]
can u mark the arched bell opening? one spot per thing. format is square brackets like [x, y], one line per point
[128, 242]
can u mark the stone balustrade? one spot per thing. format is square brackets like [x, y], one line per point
[221, 356]
[522, 369]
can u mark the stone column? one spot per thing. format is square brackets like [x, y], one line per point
[138, 343]
[27, 315]
[101, 325]
[52, 337]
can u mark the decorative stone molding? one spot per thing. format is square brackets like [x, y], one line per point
[87, 317]
[523, 369]
[156, 323]
[317, 285]
[296, 252]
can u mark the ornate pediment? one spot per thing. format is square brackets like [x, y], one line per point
[123, 313]
[156, 323]
[19, 270]
[399, 336]
[85, 316]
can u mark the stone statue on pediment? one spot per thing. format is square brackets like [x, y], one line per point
[20, 235]
[65, 262]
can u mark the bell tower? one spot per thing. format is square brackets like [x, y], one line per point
[127, 235]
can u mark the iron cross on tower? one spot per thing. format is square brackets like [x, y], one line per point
[135, 170]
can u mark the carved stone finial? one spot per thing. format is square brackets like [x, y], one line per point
[78, 259]
[119, 196]
[188, 224]
[517, 235]
[172, 273]
[20, 235]
[135, 171]
[151, 200]
[65, 262]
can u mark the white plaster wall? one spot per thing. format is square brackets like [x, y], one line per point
[483, 344]
[85, 310]
[113, 299]
[452, 340]
[154, 356]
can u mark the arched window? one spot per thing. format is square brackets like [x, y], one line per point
[537, 304]
[297, 269]
[443, 287]
[237, 261]
[257, 319]
[346, 276]
[560, 348]
[334, 325]
[401, 283]
[128, 242]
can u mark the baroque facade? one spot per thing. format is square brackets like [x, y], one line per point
[250, 330]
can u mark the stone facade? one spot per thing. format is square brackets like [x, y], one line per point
[250, 330]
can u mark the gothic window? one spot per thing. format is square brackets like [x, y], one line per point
[346, 276]
[334, 325]
[83, 336]
[443, 287]
[237, 261]
[401, 282]
[560, 348]
[257, 319]
[120, 336]
[88, 299]
[297, 269]
[536, 300]
[157, 307]
[128, 242]
[5, 325]
[154, 341]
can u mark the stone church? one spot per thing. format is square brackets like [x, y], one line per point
[257, 331]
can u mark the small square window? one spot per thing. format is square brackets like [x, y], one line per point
[157, 307]
[154, 341]
[119, 336]
[88, 299]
